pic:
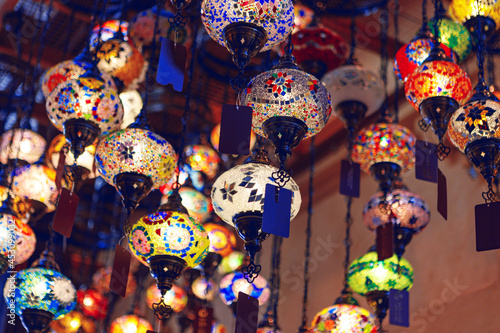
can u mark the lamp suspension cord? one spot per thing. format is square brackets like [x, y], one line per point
[307, 251]
[277, 242]
[436, 23]
[350, 59]
[384, 59]
[396, 48]
[425, 20]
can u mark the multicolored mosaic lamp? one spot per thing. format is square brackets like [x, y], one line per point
[436, 89]
[452, 35]
[197, 204]
[238, 199]
[73, 322]
[92, 303]
[385, 150]
[484, 14]
[84, 108]
[246, 28]
[303, 16]
[231, 284]
[318, 50]
[41, 294]
[407, 211]
[130, 323]
[204, 288]
[176, 297]
[202, 158]
[168, 241]
[135, 160]
[373, 278]
[24, 145]
[231, 263]
[222, 240]
[288, 105]
[356, 92]
[341, 318]
[35, 184]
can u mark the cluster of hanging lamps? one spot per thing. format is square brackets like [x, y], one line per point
[247, 28]
[238, 199]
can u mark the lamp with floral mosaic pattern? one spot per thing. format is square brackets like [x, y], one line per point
[41, 294]
[247, 28]
[481, 17]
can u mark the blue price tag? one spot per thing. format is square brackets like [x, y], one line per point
[399, 308]
[277, 206]
[171, 64]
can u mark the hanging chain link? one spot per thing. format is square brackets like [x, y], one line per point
[252, 270]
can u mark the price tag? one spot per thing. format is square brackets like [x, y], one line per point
[349, 178]
[247, 314]
[487, 226]
[64, 218]
[121, 268]
[426, 161]
[385, 241]
[399, 307]
[277, 206]
[235, 129]
[442, 204]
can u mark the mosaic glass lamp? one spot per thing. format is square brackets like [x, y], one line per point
[92, 303]
[385, 151]
[303, 16]
[135, 160]
[407, 211]
[108, 31]
[41, 294]
[202, 158]
[204, 288]
[474, 13]
[231, 263]
[83, 109]
[318, 50]
[238, 199]
[356, 92]
[130, 323]
[197, 204]
[73, 322]
[85, 164]
[222, 240]
[453, 35]
[231, 284]
[35, 184]
[436, 89]
[176, 297]
[342, 318]
[102, 277]
[288, 105]
[27, 146]
[246, 28]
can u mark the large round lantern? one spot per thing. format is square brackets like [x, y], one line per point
[21, 144]
[342, 318]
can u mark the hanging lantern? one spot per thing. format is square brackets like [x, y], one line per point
[452, 35]
[41, 294]
[238, 198]
[202, 158]
[130, 324]
[135, 160]
[196, 203]
[318, 50]
[411, 55]
[84, 164]
[107, 31]
[204, 289]
[73, 322]
[83, 109]
[231, 263]
[436, 89]
[215, 138]
[102, 278]
[288, 104]
[407, 211]
[132, 106]
[385, 151]
[123, 61]
[185, 173]
[222, 240]
[26, 146]
[474, 13]
[341, 318]
[176, 297]
[246, 28]
[303, 16]
[92, 303]
[35, 184]
[231, 284]
[356, 93]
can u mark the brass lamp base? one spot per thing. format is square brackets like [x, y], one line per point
[36, 321]
[385, 173]
[379, 302]
[80, 134]
[165, 269]
[133, 187]
[285, 133]
[485, 155]
[244, 40]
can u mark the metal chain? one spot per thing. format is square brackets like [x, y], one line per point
[307, 251]
[350, 60]
[384, 59]
[480, 54]
[396, 48]
[424, 14]
[347, 240]
[436, 23]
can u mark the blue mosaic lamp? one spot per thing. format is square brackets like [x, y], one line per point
[231, 284]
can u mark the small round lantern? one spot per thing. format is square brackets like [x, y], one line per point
[196, 203]
[341, 318]
[92, 303]
[202, 158]
[22, 144]
[231, 263]
[303, 16]
[204, 289]
[453, 35]
[176, 297]
[222, 240]
[130, 324]
[233, 283]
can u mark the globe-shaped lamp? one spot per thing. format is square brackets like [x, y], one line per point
[92, 303]
[231, 263]
[130, 324]
[21, 144]
[196, 203]
[176, 297]
[453, 35]
[73, 322]
[222, 240]
[474, 13]
[202, 158]
[204, 288]
[233, 283]
[341, 318]
[303, 16]
[246, 28]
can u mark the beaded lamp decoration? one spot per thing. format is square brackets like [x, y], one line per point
[35, 184]
[481, 17]
[288, 105]
[246, 28]
[373, 278]
[196, 203]
[73, 322]
[176, 297]
[303, 16]
[231, 284]
[318, 50]
[475, 128]
[385, 150]
[168, 241]
[21, 144]
[238, 199]
[407, 211]
[202, 158]
[130, 323]
[41, 294]
[436, 89]
[102, 278]
[92, 303]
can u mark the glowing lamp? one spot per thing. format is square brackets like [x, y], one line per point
[472, 13]
[385, 151]
[102, 277]
[107, 31]
[231, 263]
[246, 28]
[204, 289]
[132, 106]
[73, 322]
[218, 328]
[222, 240]
[202, 158]
[130, 324]
[196, 203]
[341, 318]
[176, 297]
[303, 16]
[92, 303]
[27, 146]
[85, 162]
[453, 35]
[231, 284]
